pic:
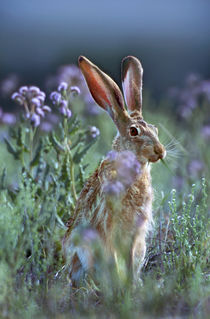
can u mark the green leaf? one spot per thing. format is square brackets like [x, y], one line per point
[57, 146]
[37, 155]
[3, 178]
[81, 176]
[78, 156]
[65, 172]
[20, 137]
[11, 149]
[74, 130]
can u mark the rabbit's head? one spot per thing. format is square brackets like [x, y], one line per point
[133, 132]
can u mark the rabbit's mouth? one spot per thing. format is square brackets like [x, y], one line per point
[154, 154]
[156, 157]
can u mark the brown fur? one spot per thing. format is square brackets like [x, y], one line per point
[132, 216]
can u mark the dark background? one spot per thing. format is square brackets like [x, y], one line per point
[170, 37]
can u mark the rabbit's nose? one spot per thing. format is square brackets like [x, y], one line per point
[160, 151]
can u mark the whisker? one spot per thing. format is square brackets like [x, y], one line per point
[172, 156]
[174, 141]
[173, 153]
[172, 149]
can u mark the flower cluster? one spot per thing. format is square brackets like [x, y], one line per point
[32, 98]
[189, 97]
[126, 168]
[72, 76]
[61, 97]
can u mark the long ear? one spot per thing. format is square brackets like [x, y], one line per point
[104, 90]
[132, 73]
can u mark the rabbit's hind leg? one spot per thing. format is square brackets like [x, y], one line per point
[77, 272]
[139, 251]
[82, 264]
[137, 255]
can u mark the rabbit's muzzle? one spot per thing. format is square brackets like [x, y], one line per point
[153, 152]
[159, 153]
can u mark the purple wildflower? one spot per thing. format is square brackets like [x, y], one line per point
[41, 98]
[184, 111]
[23, 90]
[178, 182]
[9, 85]
[34, 90]
[63, 86]
[7, 118]
[205, 89]
[55, 97]
[53, 118]
[114, 188]
[46, 126]
[75, 90]
[63, 103]
[94, 131]
[126, 168]
[140, 221]
[35, 120]
[189, 97]
[46, 108]
[195, 167]
[112, 155]
[17, 98]
[32, 98]
[41, 94]
[49, 122]
[27, 115]
[69, 74]
[205, 132]
[63, 110]
[68, 113]
[72, 75]
[89, 235]
[36, 102]
[40, 112]
[62, 100]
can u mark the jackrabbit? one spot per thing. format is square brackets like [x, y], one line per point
[137, 144]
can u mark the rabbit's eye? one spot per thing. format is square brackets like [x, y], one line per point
[134, 131]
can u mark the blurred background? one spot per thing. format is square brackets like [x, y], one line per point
[170, 37]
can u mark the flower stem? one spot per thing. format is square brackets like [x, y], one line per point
[31, 141]
[66, 141]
